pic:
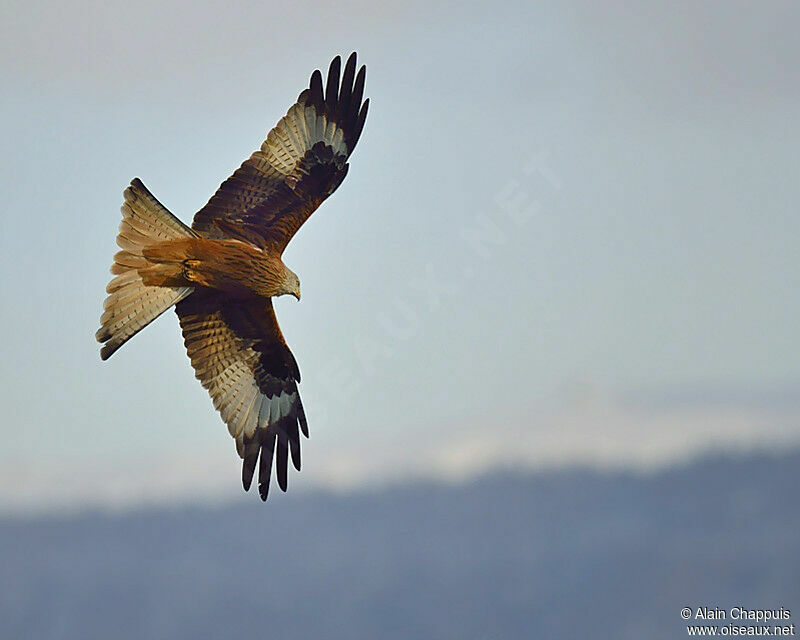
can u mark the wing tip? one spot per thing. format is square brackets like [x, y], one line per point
[315, 97]
[340, 95]
[248, 471]
[288, 445]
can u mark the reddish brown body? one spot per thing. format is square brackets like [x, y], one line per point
[231, 266]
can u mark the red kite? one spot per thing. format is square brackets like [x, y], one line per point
[222, 272]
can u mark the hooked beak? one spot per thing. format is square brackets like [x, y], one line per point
[296, 294]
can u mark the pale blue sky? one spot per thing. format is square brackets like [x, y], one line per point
[651, 255]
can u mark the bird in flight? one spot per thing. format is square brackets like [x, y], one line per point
[221, 273]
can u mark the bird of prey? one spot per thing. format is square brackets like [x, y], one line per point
[221, 273]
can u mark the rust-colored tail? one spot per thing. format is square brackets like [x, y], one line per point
[131, 304]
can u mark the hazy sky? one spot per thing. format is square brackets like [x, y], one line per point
[567, 235]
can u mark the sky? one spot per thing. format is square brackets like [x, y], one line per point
[568, 236]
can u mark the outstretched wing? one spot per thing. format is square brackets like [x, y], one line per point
[240, 356]
[302, 162]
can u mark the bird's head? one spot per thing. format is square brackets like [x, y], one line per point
[291, 283]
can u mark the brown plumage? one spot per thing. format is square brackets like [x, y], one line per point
[221, 273]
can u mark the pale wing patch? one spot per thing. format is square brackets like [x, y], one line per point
[224, 366]
[297, 132]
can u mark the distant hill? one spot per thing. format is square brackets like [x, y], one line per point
[570, 554]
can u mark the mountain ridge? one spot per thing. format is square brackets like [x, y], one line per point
[571, 554]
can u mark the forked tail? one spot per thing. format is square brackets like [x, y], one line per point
[131, 305]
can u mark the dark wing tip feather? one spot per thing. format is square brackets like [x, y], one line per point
[294, 439]
[362, 118]
[358, 87]
[315, 90]
[248, 469]
[265, 467]
[332, 87]
[358, 111]
[301, 418]
[346, 93]
[281, 460]
[294, 448]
